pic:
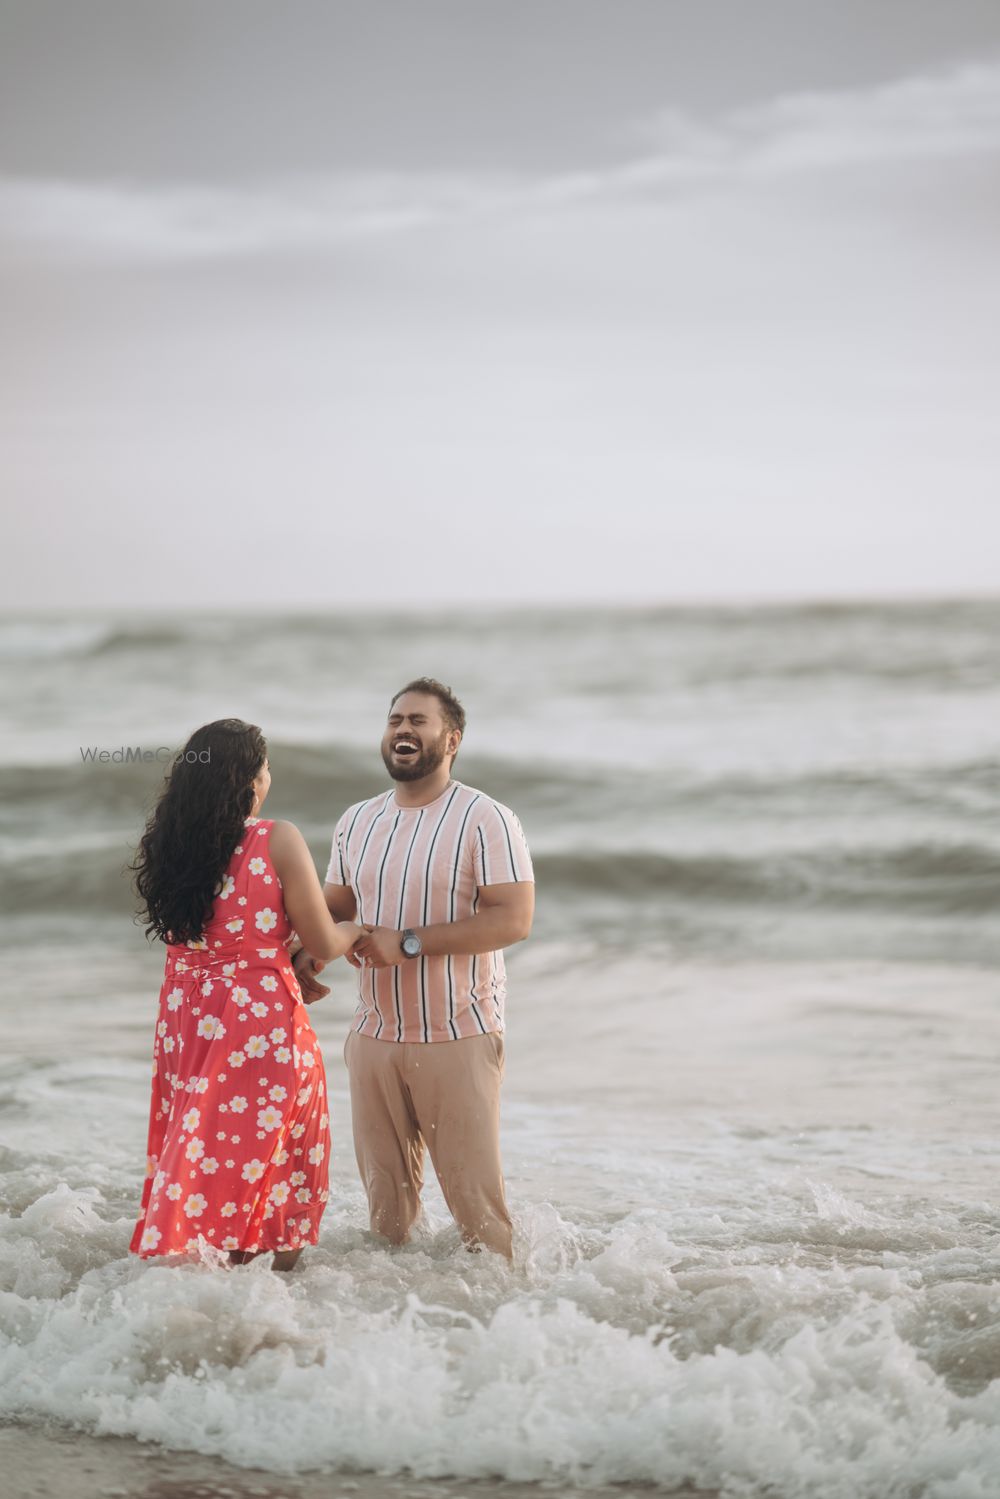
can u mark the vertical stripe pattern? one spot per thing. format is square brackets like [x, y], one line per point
[416, 867]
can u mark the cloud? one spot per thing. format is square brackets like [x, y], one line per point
[915, 119]
[184, 221]
[925, 120]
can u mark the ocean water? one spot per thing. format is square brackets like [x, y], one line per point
[750, 1120]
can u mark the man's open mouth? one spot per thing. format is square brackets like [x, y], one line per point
[405, 747]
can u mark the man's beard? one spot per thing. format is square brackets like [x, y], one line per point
[424, 763]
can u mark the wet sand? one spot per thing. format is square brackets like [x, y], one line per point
[38, 1462]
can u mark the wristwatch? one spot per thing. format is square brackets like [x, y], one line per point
[411, 944]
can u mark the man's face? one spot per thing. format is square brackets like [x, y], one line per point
[416, 738]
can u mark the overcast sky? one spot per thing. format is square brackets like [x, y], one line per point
[449, 300]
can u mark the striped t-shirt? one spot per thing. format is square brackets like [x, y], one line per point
[414, 867]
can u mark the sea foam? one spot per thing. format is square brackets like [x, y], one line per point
[653, 1349]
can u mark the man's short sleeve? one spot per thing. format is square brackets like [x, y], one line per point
[339, 870]
[499, 849]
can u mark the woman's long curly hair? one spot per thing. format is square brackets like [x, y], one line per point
[194, 828]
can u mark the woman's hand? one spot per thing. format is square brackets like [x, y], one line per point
[380, 948]
[356, 934]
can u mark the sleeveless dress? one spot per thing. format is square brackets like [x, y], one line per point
[238, 1127]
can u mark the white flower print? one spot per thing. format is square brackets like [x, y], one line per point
[206, 989]
[168, 1044]
[228, 886]
[199, 1085]
[228, 1209]
[305, 1224]
[297, 1131]
[195, 1149]
[316, 1154]
[253, 1170]
[267, 952]
[158, 1181]
[303, 1195]
[269, 1118]
[229, 970]
[238, 1104]
[191, 1120]
[257, 865]
[298, 1178]
[241, 996]
[277, 1035]
[279, 1192]
[304, 1096]
[230, 1242]
[256, 1046]
[282, 1054]
[278, 1094]
[266, 919]
[269, 983]
[261, 832]
[210, 1165]
[161, 1027]
[268, 880]
[307, 1059]
[212, 1027]
[175, 999]
[150, 1239]
[236, 925]
[195, 1205]
[259, 1009]
[236, 1059]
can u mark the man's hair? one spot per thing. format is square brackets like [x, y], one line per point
[451, 709]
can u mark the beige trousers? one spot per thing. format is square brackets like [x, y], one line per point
[445, 1094]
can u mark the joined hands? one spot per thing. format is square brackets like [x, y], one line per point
[377, 947]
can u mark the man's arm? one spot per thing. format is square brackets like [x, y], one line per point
[504, 917]
[341, 902]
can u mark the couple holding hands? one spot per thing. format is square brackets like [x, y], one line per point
[428, 882]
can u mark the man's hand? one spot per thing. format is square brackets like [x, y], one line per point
[380, 948]
[306, 969]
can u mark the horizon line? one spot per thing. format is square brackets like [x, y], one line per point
[864, 599]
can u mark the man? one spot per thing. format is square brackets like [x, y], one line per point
[440, 877]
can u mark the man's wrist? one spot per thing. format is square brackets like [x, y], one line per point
[410, 943]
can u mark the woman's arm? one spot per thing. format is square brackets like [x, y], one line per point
[303, 894]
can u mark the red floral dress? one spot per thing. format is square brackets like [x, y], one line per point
[239, 1133]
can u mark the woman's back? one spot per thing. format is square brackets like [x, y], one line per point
[249, 908]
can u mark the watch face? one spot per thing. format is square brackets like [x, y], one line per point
[411, 944]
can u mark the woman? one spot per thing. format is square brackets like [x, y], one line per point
[239, 1124]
